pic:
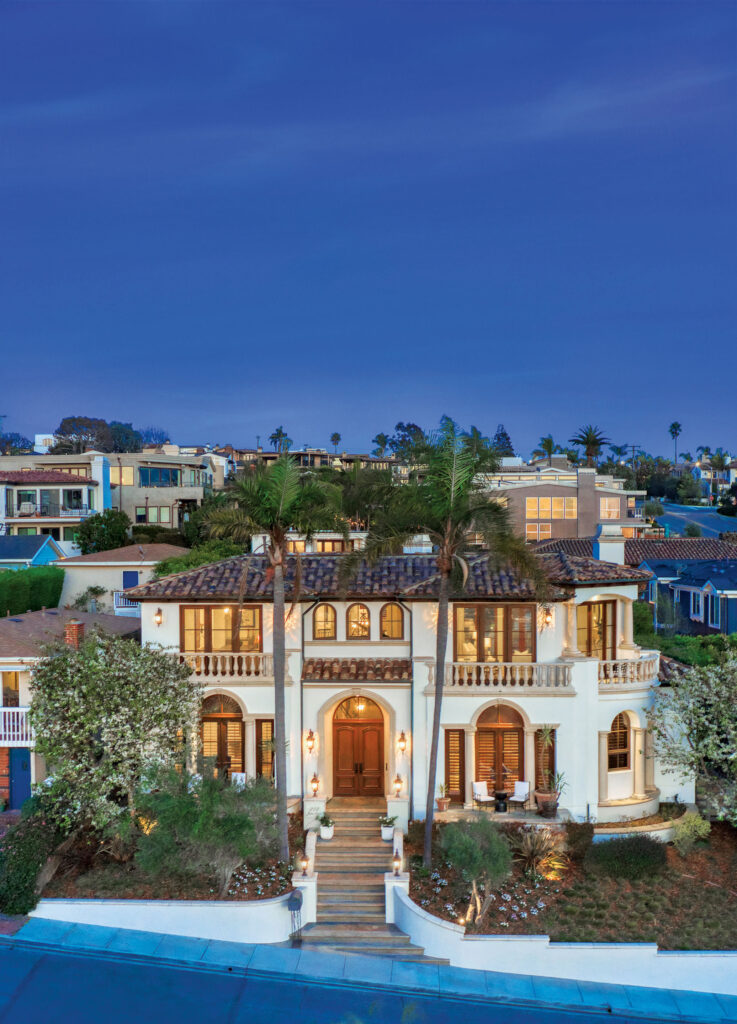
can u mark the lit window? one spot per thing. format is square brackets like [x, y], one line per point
[326, 547]
[121, 475]
[295, 547]
[609, 508]
[494, 633]
[558, 508]
[323, 623]
[618, 744]
[531, 531]
[531, 508]
[545, 532]
[359, 622]
[571, 508]
[544, 508]
[391, 625]
[164, 514]
[153, 514]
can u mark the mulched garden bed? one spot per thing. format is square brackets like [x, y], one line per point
[691, 905]
[666, 814]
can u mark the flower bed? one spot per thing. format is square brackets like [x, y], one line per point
[666, 814]
[691, 905]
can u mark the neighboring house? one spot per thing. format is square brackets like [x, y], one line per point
[23, 641]
[555, 501]
[311, 458]
[325, 542]
[163, 489]
[52, 494]
[644, 549]
[705, 594]
[42, 443]
[712, 481]
[360, 667]
[116, 571]
[28, 552]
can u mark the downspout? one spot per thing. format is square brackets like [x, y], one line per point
[411, 787]
[302, 705]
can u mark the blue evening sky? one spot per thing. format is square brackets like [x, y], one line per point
[221, 217]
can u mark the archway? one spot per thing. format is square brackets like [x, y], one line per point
[358, 748]
[500, 747]
[222, 733]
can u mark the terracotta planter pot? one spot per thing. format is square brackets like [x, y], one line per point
[443, 802]
[547, 803]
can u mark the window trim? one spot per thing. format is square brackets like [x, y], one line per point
[207, 608]
[349, 609]
[697, 614]
[715, 602]
[325, 604]
[507, 632]
[391, 604]
[612, 603]
[618, 751]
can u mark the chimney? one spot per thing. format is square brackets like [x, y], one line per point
[74, 633]
[609, 543]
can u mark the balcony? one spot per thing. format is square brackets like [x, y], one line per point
[528, 677]
[15, 728]
[123, 606]
[213, 668]
[632, 674]
[47, 510]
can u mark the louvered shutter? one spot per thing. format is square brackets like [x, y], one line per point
[486, 765]
[455, 775]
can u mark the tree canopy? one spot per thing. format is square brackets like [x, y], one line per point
[103, 531]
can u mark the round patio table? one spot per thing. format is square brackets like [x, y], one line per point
[501, 795]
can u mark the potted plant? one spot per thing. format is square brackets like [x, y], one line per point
[327, 826]
[443, 801]
[547, 799]
[387, 828]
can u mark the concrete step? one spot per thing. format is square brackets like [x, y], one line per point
[356, 920]
[340, 881]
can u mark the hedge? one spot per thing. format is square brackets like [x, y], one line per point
[30, 589]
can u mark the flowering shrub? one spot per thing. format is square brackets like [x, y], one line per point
[688, 831]
[24, 851]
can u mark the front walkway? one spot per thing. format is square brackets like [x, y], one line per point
[143, 976]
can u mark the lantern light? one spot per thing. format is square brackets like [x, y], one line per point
[158, 616]
[304, 863]
[549, 617]
[310, 741]
[397, 862]
[397, 785]
[402, 742]
[315, 784]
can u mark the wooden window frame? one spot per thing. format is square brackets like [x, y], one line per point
[337, 546]
[611, 603]
[349, 609]
[235, 634]
[456, 796]
[617, 752]
[507, 632]
[384, 607]
[325, 604]
[258, 732]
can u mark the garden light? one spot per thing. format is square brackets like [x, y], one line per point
[315, 784]
[304, 864]
[397, 862]
[397, 785]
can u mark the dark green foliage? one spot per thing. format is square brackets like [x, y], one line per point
[696, 650]
[14, 444]
[30, 589]
[630, 857]
[124, 437]
[642, 618]
[203, 554]
[579, 837]
[502, 443]
[145, 533]
[692, 530]
[103, 531]
[25, 849]
[477, 849]
[205, 826]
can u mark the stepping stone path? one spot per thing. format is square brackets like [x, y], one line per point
[351, 915]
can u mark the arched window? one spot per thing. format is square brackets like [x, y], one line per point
[391, 622]
[500, 751]
[323, 623]
[358, 622]
[619, 743]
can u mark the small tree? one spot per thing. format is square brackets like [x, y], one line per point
[335, 440]
[688, 489]
[103, 531]
[694, 726]
[501, 443]
[692, 530]
[653, 509]
[481, 853]
[101, 714]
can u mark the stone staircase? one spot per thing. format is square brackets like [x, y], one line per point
[350, 888]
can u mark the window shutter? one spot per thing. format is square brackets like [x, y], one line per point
[511, 757]
[455, 764]
[486, 756]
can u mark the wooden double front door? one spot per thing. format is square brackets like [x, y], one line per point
[358, 758]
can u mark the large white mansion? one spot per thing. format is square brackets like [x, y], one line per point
[360, 679]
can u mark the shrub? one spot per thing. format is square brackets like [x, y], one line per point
[30, 589]
[481, 853]
[203, 554]
[642, 619]
[103, 531]
[25, 849]
[692, 530]
[689, 830]
[540, 850]
[579, 837]
[194, 825]
[630, 857]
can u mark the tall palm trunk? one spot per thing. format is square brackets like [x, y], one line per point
[440, 648]
[280, 722]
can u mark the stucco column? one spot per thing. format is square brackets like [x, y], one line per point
[603, 767]
[571, 645]
[250, 764]
[470, 764]
[649, 762]
[530, 758]
[639, 759]
[625, 613]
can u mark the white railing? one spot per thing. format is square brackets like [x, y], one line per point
[230, 666]
[124, 606]
[635, 672]
[508, 675]
[15, 729]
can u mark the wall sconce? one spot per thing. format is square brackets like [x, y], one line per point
[310, 741]
[158, 616]
[402, 742]
[397, 862]
[314, 784]
[548, 617]
[397, 785]
[304, 864]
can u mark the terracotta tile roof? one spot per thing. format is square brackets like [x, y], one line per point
[43, 476]
[670, 670]
[25, 636]
[130, 553]
[643, 549]
[346, 669]
[411, 576]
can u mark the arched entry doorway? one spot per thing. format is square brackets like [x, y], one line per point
[500, 747]
[223, 733]
[358, 748]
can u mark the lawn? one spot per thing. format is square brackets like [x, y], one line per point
[692, 904]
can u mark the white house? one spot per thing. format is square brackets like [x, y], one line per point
[360, 679]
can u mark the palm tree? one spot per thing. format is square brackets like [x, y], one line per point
[675, 430]
[335, 440]
[573, 456]
[719, 462]
[619, 451]
[382, 442]
[704, 451]
[546, 449]
[274, 500]
[592, 440]
[687, 456]
[446, 503]
[280, 441]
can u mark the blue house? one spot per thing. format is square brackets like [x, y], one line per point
[28, 552]
[707, 597]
